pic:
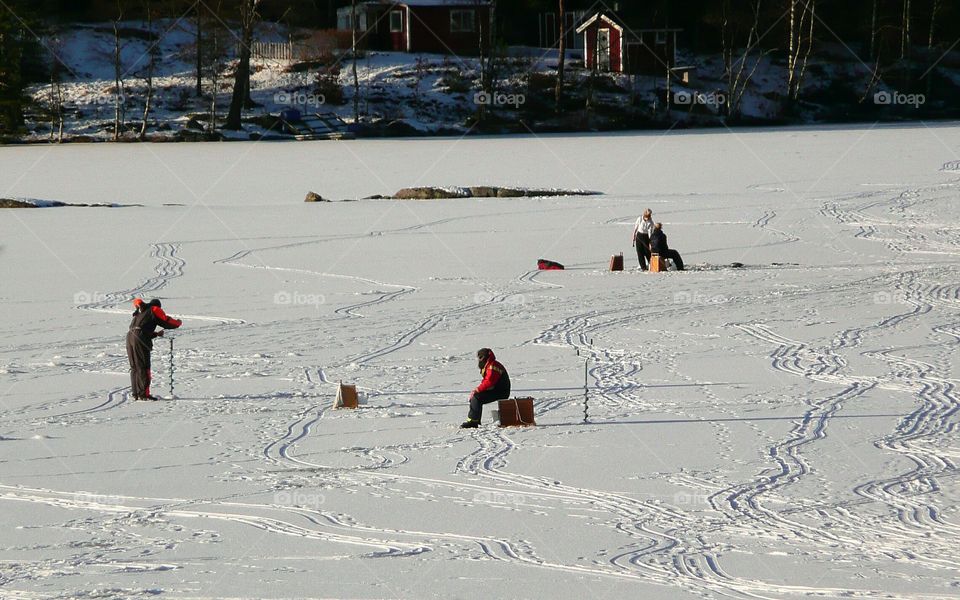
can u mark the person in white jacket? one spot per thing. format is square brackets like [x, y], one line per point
[641, 237]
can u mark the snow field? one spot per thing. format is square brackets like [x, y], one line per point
[780, 430]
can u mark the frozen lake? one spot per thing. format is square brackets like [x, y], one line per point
[780, 430]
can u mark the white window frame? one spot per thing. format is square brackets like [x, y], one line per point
[604, 60]
[661, 38]
[456, 25]
[359, 24]
[398, 14]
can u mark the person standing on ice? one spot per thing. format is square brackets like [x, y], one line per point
[495, 386]
[658, 245]
[146, 318]
[641, 237]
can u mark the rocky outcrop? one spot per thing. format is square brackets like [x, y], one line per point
[25, 203]
[34, 203]
[431, 193]
[443, 193]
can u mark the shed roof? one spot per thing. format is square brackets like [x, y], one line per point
[415, 3]
[442, 2]
[620, 24]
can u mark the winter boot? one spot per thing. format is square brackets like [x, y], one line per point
[470, 424]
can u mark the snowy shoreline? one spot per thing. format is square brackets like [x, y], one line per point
[407, 95]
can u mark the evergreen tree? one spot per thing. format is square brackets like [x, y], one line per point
[16, 44]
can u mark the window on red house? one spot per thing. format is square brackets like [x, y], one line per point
[463, 21]
[396, 21]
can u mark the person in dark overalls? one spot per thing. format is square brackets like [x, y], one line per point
[495, 386]
[658, 245]
[146, 318]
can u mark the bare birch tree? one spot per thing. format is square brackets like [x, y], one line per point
[152, 52]
[217, 57]
[933, 22]
[56, 90]
[802, 19]
[905, 31]
[486, 77]
[739, 65]
[118, 73]
[198, 9]
[353, 62]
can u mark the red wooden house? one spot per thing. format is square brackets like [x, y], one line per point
[612, 45]
[435, 26]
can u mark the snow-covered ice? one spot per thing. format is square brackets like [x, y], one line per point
[780, 430]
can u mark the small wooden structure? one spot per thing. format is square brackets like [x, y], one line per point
[346, 396]
[610, 44]
[516, 412]
[657, 264]
[616, 262]
[316, 126]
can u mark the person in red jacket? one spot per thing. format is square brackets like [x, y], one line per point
[495, 386]
[146, 318]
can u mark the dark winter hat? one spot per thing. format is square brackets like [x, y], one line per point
[156, 302]
[483, 355]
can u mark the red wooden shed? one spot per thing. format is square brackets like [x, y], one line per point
[612, 45]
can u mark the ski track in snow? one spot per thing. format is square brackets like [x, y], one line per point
[169, 266]
[920, 436]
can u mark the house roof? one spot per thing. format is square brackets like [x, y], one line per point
[620, 24]
[415, 3]
[440, 2]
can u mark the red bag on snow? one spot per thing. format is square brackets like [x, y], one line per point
[549, 265]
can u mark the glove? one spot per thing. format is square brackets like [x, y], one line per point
[158, 334]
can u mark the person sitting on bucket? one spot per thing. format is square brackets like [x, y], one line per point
[146, 318]
[495, 386]
[658, 245]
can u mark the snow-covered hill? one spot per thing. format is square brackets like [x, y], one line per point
[404, 94]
